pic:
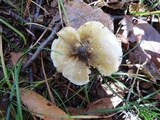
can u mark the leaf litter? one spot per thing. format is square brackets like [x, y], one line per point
[145, 55]
[41, 107]
[79, 12]
[147, 52]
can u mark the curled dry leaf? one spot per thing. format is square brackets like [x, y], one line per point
[147, 40]
[41, 107]
[79, 13]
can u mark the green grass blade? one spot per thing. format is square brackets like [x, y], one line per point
[9, 42]
[16, 80]
[156, 3]
[147, 13]
[3, 63]
[14, 29]
[60, 2]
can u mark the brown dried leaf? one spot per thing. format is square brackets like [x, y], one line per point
[111, 101]
[15, 56]
[148, 42]
[103, 103]
[74, 111]
[41, 107]
[79, 13]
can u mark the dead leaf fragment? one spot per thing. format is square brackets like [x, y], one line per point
[79, 13]
[15, 57]
[103, 103]
[111, 101]
[147, 39]
[41, 107]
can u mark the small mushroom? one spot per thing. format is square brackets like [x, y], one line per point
[75, 51]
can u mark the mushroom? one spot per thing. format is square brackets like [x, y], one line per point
[75, 51]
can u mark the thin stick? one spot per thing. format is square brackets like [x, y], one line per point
[27, 8]
[45, 77]
[34, 26]
[39, 49]
[38, 8]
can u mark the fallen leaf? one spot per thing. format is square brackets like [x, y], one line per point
[15, 57]
[111, 101]
[103, 103]
[74, 111]
[79, 13]
[41, 107]
[147, 39]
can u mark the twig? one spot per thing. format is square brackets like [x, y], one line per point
[14, 14]
[30, 72]
[17, 17]
[39, 49]
[9, 3]
[38, 9]
[30, 69]
[45, 77]
[27, 8]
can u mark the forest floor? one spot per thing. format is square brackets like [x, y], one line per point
[27, 30]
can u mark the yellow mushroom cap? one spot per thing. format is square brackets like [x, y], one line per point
[91, 45]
